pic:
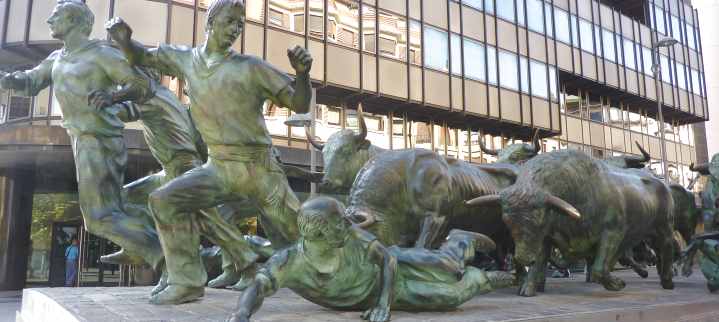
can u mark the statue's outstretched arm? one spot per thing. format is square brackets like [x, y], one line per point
[32, 81]
[267, 281]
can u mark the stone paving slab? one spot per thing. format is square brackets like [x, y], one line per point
[565, 300]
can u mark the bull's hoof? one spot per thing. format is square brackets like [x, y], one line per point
[668, 284]
[712, 288]
[642, 273]
[612, 283]
[527, 290]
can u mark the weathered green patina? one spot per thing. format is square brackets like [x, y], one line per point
[80, 68]
[227, 91]
[586, 208]
[340, 266]
[708, 245]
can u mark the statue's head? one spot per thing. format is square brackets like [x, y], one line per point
[70, 16]
[321, 221]
[225, 20]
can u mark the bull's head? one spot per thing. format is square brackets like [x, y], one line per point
[344, 154]
[528, 212]
[711, 168]
[515, 153]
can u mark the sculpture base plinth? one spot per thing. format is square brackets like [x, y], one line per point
[565, 300]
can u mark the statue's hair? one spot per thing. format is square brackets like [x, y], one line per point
[218, 5]
[80, 11]
[317, 213]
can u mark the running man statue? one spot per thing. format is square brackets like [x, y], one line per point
[227, 91]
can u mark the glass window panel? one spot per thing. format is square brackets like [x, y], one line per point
[648, 62]
[548, 19]
[575, 30]
[539, 79]
[492, 65]
[368, 29]
[415, 43]
[666, 70]
[629, 60]
[505, 10]
[696, 85]
[524, 73]
[659, 19]
[585, 33]
[553, 88]
[474, 59]
[393, 37]
[437, 57]
[608, 42]
[455, 42]
[521, 17]
[676, 30]
[316, 21]
[635, 123]
[477, 4]
[690, 36]
[681, 76]
[562, 25]
[508, 77]
[42, 103]
[253, 10]
[343, 22]
[535, 21]
[489, 6]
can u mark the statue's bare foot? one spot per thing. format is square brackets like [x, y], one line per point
[225, 279]
[243, 283]
[177, 294]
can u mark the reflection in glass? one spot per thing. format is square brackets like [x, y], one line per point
[342, 22]
[629, 60]
[368, 29]
[477, 4]
[647, 60]
[491, 65]
[393, 36]
[505, 10]
[415, 42]
[666, 69]
[548, 19]
[524, 74]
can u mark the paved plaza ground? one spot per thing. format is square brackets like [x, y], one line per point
[9, 303]
[565, 300]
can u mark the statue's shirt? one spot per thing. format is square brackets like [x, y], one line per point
[227, 96]
[74, 76]
[355, 280]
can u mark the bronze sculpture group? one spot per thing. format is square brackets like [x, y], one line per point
[219, 154]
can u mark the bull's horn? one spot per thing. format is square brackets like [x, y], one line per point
[362, 125]
[646, 155]
[702, 168]
[311, 139]
[564, 206]
[484, 201]
[485, 149]
[536, 142]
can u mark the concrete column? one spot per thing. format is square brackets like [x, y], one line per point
[16, 194]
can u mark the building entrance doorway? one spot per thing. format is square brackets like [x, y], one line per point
[62, 235]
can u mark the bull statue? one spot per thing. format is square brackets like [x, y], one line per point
[514, 153]
[586, 208]
[710, 194]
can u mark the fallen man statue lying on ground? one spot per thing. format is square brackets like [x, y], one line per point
[708, 244]
[340, 266]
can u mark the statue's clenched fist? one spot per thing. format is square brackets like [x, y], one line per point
[300, 59]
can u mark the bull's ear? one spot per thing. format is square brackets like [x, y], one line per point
[563, 207]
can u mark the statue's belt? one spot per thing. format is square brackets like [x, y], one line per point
[239, 153]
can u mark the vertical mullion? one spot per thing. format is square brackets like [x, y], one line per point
[496, 61]
[407, 51]
[325, 19]
[519, 60]
[461, 57]
[421, 31]
[449, 51]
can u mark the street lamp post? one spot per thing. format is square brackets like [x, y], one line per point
[656, 70]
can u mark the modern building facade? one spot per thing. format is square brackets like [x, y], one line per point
[434, 74]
